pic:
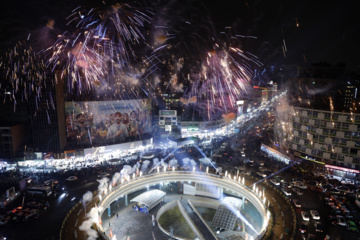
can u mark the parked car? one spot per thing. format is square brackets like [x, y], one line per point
[341, 220]
[32, 213]
[261, 174]
[297, 203]
[333, 220]
[319, 227]
[275, 182]
[299, 184]
[310, 237]
[351, 226]
[330, 202]
[344, 190]
[314, 214]
[333, 191]
[297, 191]
[286, 185]
[103, 175]
[305, 216]
[303, 228]
[286, 191]
[280, 179]
[71, 178]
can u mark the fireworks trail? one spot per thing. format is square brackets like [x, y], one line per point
[103, 43]
[223, 78]
[24, 76]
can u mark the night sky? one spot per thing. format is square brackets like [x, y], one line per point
[326, 31]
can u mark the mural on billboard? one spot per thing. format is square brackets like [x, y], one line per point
[107, 122]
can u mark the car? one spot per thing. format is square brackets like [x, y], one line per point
[286, 185]
[348, 216]
[286, 191]
[32, 213]
[71, 178]
[310, 237]
[319, 227]
[103, 175]
[329, 202]
[344, 190]
[280, 179]
[299, 184]
[333, 220]
[297, 191]
[35, 205]
[51, 182]
[275, 182]
[4, 219]
[261, 174]
[335, 211]
[314, 214]
[317, 189]
[305, 216]
[303, 228]
[341, 220]
[297, 203]
[333, 191]
[351, 226]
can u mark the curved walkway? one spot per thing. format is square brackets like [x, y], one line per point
[222, 182]
[282, 226]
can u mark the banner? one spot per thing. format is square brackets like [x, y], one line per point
[107, 122]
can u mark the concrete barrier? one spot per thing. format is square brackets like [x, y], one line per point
[189, 221]
[204, 204]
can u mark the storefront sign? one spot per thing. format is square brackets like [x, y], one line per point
[342, 168]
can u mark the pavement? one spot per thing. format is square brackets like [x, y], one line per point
[126, 222]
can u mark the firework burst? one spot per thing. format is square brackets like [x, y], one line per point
[223, 79]
[24, 76]
[104, 42]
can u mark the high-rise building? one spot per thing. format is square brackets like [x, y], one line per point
[319, 121]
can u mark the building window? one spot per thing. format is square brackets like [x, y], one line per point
[343, 141]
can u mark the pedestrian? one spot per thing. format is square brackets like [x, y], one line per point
[117, 215]
[181, 199]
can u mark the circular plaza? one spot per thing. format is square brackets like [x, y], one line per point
[128, 208]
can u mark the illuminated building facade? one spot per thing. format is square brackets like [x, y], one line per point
[325, 136]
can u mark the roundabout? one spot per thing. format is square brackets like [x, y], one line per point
[225, 185]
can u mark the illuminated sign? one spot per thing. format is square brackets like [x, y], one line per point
[167, 113]
[168, 128]
[311, 159]
[241, 102]
[192, 129]
[342, 169]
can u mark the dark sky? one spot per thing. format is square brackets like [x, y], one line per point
[327, 31]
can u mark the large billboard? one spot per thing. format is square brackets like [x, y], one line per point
[107, 122]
